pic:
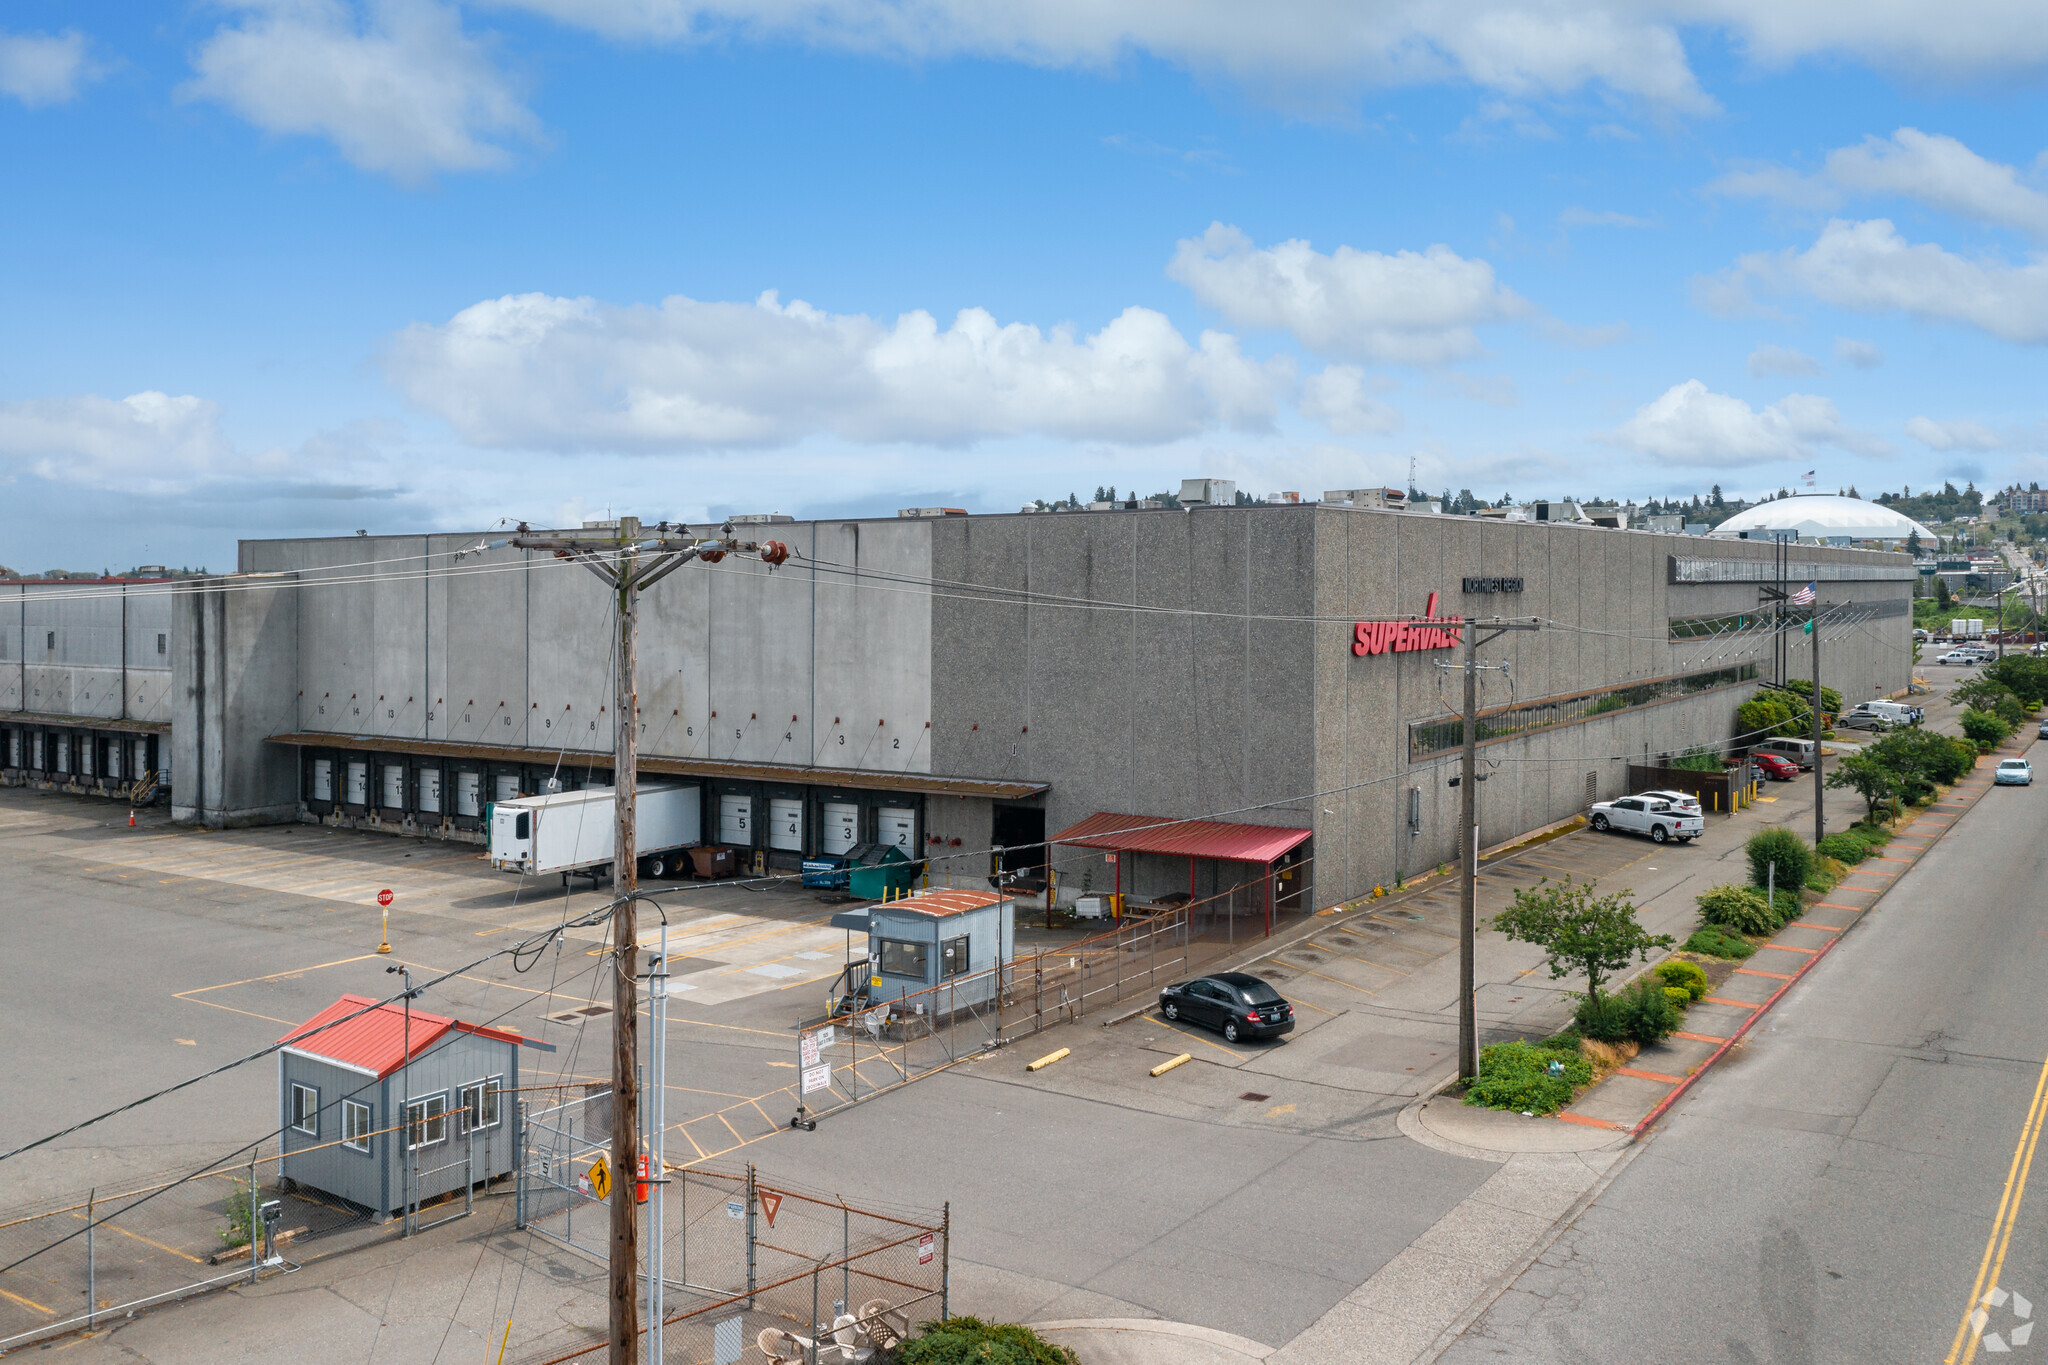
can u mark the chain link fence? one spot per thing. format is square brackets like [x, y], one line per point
[854, 1054]
[749, 1270]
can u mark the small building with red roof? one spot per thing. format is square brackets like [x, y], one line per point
[384, 1106]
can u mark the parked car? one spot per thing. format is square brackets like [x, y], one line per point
[1776, 768]
[1965, 658]
[1863, 718]
[1799, 751]
[1236, 1004]
[2042, 733]
[1684, 801]
[2014, 772]
[1660, 820]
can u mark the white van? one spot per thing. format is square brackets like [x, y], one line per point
[1800, 751]
[1897, 712]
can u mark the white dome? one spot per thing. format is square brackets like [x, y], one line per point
[1824, 516]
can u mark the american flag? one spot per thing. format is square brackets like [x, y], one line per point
[1804, 597]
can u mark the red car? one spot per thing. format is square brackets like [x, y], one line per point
[1775, 768]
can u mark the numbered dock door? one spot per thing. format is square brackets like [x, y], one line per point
[469, 790]
[394, 786]
[736, 820]
[430, 791]
[786, 823]
[899, 827]
[323, 779]
[141, 757]
[357, 790]
[842, 826]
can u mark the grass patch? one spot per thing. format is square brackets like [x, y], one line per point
[1528, 1078]
[1714, 941]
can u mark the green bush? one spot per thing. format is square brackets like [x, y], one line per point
[2013, 711]
[1830, 699]
[1652, 1015]
[1780, 846]
[970, 1341]
[1714, 941]
[1698, 759]
[1602, 1018]
[1761, 717]
[1983, 728]
[1685, 975]
[1844, 846]
[1517, 1076]
[1678, 995]
[1820, 880]
[1874, 837]
[1743, 909]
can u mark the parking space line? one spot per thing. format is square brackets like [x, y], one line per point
[1185, 1034]
[27, 1303]
[273, 976]
[1360, 989]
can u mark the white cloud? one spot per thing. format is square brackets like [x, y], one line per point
[40, 68]
[1412, 307]
[398, 88]
[1692, 425]
[1870, 268]
[535, 371]
[1495, 390]
[1864, 355]
[1767, 360]
[146, 438]
[1966, 435]
[1338, 398]
[1294, 51]
[1930, 168]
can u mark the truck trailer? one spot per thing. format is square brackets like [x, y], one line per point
[574, 831]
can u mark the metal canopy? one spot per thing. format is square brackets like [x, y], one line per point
[572, 759]
[1182, 838]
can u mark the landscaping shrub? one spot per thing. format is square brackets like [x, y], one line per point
[1651, 1014]
[1517, 1076]
[1781, 846]
[1685, 975]
[1760, 717]
[1678, 995]
[1984, 729]
[1714, 941]
[1844, 846]
[1743, 909]
[970, 1341]
[1873, 836]
[2013, 711]
[1602, 1017]
[1698, 759]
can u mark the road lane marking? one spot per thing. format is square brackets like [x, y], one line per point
[2001, 1224]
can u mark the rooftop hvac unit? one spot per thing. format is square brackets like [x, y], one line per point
[758, 518]
[932, 511]
[1368, 497]
[1212, 492]
[1283, 497]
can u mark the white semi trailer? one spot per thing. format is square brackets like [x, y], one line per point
[573, 831]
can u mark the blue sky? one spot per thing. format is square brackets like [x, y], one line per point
[309, 267]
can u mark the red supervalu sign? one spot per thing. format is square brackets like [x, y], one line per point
[1402, 637]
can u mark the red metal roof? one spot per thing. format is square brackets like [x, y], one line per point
[1182, 838]
[375, 1041]
[944, 902]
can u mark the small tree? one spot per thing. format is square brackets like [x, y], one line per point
[1784, 850]
[1578, 931]
[1870, 776]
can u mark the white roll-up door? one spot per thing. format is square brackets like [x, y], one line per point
[842, 826]
[430, 791]
[394, 786]
[40, 750]
[505, 787]
[63, 743]
[786, 823]
[86, 747]
[14, 748]
[469, 794]
[141, 757]
[323, 779]
[736, 820]
[113, 757]
[356, 791]
[899, 827]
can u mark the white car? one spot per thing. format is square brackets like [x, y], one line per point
[2014, 772]
[1660, 820]
[1684, 802]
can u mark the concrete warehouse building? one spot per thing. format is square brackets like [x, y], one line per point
[950, 683]
[85, 685]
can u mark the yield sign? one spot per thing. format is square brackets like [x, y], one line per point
[771, 1203]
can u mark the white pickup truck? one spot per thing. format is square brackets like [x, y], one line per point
[1661, 820]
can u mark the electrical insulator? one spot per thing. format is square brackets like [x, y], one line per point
[711, 556]
[774, 552]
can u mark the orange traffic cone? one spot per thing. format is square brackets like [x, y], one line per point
[131, 819]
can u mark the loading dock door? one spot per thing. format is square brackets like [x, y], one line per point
[38, 765]
[63, 743]
[86, 745]
[141, 757]
[323, 779]
[899, 827]
[394, 786]
[842, 826]
[505, 787]
[468, 794]
[736, 820]
[786, 823]
[113, 757]
[430, 791]
[357, 790]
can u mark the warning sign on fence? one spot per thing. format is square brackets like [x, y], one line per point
[925, 1249]
[817, 1078]
[807, 1050]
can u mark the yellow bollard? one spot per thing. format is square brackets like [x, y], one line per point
[1047, 1060]
[1167, 1066]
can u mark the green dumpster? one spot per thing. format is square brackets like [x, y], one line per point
[886, 875]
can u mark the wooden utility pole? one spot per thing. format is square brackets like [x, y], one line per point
[1468, 855]
[629, 562]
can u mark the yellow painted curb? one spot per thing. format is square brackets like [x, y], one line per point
[1167, 1066]
[1048, 1059]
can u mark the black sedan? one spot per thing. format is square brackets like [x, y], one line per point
[1237, 1004]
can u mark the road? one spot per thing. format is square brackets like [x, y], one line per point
[1839, 1190]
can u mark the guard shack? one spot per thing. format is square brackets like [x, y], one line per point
[368, 1096]
[934, 938]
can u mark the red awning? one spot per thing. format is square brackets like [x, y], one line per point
[375, 1041]
[1182, 838]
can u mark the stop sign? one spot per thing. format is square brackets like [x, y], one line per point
[384, 896]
